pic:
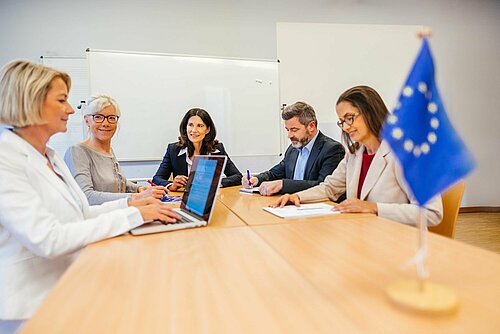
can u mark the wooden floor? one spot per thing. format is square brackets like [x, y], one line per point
[479, 229]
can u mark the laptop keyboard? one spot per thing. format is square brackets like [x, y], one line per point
[183, 220]
[180, 221]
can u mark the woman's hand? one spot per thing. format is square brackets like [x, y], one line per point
[180, 181]
[155, 192]
[354, 205]
[153, 209]
[286, 199]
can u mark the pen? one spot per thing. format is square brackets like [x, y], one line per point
[248, 177]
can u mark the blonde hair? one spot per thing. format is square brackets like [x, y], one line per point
[23, 88]
[100, 101]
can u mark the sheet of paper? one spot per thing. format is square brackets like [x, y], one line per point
[250, 190]
[305, 210]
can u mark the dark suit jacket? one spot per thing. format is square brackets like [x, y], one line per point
[172, 163]
[325, 155]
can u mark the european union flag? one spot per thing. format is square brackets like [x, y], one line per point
[431, 153]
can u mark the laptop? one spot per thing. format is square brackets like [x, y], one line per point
[198, 199]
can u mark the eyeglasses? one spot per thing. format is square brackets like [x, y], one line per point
[98, 118]
[348, 119]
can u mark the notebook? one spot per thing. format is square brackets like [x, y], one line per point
[198, 198]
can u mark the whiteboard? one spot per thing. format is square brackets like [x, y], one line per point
[334, 57]
[154, 91]
[77, 69]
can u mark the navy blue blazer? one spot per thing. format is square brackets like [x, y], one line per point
[173, 163]
[325, 155]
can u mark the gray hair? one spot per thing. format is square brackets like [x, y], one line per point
[23, 88]
[302, 110]
[100, 101]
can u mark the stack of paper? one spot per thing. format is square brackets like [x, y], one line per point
[305, 210]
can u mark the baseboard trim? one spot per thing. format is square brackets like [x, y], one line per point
[474, 209]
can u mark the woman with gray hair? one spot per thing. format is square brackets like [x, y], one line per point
[93, 162]
[45, 218]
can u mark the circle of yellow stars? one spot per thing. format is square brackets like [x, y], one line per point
[397, 133]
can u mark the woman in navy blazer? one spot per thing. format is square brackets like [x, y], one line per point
[197, 137]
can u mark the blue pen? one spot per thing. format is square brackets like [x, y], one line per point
[248, 177]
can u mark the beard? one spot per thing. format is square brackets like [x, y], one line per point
[299, 143]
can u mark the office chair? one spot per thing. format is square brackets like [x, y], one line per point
[451, 204]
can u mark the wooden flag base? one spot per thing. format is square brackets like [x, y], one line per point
[431, 298]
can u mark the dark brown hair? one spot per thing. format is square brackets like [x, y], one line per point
[209, 142]
[302, 110]
[370, 106]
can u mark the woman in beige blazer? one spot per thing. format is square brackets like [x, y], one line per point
[45, 218]
[369, 174]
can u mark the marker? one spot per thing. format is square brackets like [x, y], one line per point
[248, 177]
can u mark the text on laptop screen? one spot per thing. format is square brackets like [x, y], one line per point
[200, 187]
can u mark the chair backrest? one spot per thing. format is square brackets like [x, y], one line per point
[451, 204]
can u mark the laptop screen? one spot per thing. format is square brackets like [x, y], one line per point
[203, 183]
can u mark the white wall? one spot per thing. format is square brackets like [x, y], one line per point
[465, 44]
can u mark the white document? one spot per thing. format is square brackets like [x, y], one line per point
[305, 210]
[249, 190]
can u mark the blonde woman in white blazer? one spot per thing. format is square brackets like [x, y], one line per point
[369, 174]
[45, 218]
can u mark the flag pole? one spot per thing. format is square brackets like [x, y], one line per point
[421, 256]
[420, 294]
[422, 273]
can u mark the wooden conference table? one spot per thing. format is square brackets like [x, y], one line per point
[251, 272]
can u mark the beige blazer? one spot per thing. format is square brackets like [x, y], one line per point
[44, 221]
[384, 184]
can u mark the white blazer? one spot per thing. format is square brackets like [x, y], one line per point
[384, 184]
[44, 221]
